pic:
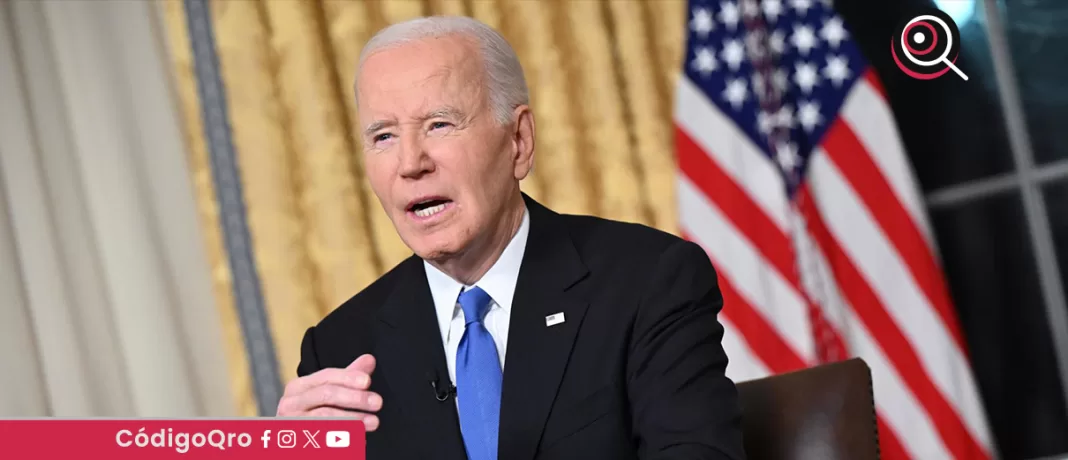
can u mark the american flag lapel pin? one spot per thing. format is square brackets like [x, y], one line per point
[554, 319]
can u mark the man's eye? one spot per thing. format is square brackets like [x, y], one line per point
[382, 137]
[439, 124]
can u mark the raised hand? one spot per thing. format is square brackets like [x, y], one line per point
[334, 393]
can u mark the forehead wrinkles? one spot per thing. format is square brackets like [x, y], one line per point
[461, 79]
[459, 75]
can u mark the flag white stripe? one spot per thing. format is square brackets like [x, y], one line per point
[853, 226]
[752, 276]
[867, 114]
[942, 367]
[893, 400]
[732, 150]
[817, 278]
[742, 363]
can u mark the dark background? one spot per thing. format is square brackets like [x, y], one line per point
[954, 133]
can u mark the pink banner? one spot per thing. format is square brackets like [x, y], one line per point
[229, 439]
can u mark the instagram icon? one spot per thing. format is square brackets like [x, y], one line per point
[287, 439]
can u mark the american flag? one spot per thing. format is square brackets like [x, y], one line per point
[793, 178]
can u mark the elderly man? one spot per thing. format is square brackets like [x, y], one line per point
[513, 332]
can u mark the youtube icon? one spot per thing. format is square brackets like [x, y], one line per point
[337, 439]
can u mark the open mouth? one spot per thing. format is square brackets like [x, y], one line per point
[429, 206]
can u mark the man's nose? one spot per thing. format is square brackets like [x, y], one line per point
[414, 160]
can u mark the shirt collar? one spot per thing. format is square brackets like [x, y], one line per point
[499, 281]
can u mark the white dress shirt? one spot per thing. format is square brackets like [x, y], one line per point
[499, 282]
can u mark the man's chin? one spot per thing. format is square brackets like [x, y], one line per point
[434, 251]
[437, 245]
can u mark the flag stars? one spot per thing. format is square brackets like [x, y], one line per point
[786, 155]
[801, 6]
[784, 117]
[834, 32]
[729, 14]
[754, 43]
[779, 84]
[804, 38]
[736, 92]
[780, 102]
[765, 122]
[704, 61]
[772, 10]
[808, 114]
[750, 9]
[806, 76]
[733, 53]
[757, 80]
[837, 70]
[781, 80]
[777, 42]
[702, 22]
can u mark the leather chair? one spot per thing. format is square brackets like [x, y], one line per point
[824, 412]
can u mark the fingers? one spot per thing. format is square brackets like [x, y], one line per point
[357, 375]
[370, 421]
[331, 395]
[335, 392]
[352, 378]
[365, 364]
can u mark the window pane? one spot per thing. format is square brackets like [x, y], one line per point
[952, 129]
[1038, 39]
[1057, 207]
[994, 283]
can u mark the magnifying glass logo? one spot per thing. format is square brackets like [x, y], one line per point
[929, 44]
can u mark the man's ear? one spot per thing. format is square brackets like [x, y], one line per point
[523, 141]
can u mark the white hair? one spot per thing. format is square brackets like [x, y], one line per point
[505, 82]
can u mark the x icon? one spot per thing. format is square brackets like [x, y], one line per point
[311, 439]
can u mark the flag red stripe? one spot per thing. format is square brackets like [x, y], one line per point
[899, 351]
[747, 216]
[761, 336]
[779, 358]
[875, 83]
[852, 158]
[890, 447]
[757, 332]
[737, 205]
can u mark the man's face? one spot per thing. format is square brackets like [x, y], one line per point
[440, 164]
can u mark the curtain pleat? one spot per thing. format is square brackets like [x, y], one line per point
[601, 75]
[265, 138]
[400, 10]
[647, 105]
[556, 145]
[448, 7]
[503, 14]
[329, 197]
[601, 109]
[208, 208]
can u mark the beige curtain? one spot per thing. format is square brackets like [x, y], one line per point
[107, 307]
[601, 75]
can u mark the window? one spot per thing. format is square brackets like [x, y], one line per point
[1038, 39]
[998, 201]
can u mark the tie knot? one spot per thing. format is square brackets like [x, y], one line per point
[474, 302]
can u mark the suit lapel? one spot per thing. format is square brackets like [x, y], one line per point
[410, 352]
[538, 353]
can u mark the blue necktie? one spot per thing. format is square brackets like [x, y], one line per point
[478, 379]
